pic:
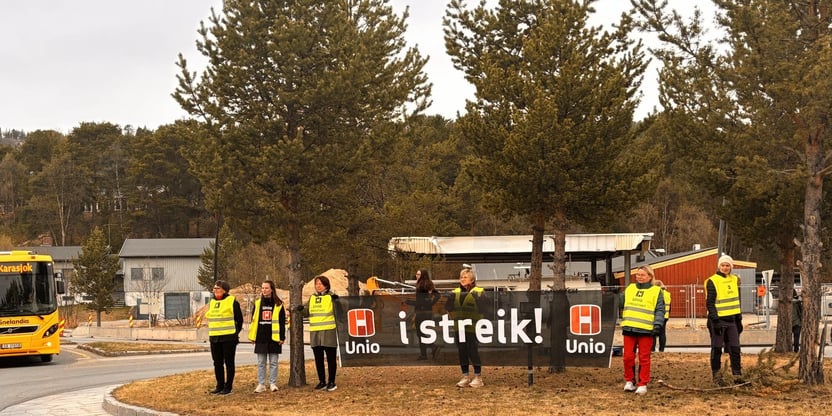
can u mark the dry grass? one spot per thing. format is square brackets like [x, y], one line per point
[430, 391]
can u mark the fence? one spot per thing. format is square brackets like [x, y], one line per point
[688, 302]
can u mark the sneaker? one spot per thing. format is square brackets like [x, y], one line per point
[216, 390]
[641, 390]
[463, 382]
[273, 387]
[224, 392]
[320, 386]
[421, 358]
[260, 388]
[331, 387]
[476, 382]
[629, 387]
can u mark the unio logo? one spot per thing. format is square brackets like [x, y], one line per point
[361, 324]
[585, 320]
[573, 346]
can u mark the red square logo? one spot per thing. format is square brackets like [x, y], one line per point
[361, 323]
[585, 319]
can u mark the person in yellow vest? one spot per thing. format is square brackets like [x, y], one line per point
[225, 321]
[642, 318]
[267, 332]
[322, 335]
[724, 318]
[466, 302]
[660, 340]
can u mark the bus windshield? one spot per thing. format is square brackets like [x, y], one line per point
[27, 289]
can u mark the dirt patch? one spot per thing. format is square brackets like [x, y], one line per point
[774, 390]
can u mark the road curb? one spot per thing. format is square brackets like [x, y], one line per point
[143, 352]
[117, 408]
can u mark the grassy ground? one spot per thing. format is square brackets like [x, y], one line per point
[109, 348]
[685, 388]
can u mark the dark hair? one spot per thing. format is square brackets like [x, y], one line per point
[424, 284]
[224, 285]
[324, 281]
[275, 297]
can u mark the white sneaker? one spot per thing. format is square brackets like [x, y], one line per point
[464, 382]
[629, 387]
[475, 382]
[273, 387]
[260, 388]
[641, 390]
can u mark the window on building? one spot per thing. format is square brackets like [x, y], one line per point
[158, 273]
[136, 273]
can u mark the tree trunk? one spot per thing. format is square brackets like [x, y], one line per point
[783, 337]
[536, 273]
[560, 302]
[811, 367]
[98, 318]
[559, 268]
[297, 365]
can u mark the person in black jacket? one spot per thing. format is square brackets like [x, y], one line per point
[797, 319]
[724, 319]
[426, 297]
[225, 321]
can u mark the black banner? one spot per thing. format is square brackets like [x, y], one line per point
[563, 329]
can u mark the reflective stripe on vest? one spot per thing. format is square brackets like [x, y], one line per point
[220, 317]
[666, 295]
[321, 313]
[727, 294]
[640, 307]
[255, 320]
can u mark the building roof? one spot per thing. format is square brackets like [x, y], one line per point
[514, 248]
[58, 253]
[677, 258]
[164, 247]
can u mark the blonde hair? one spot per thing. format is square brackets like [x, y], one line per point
[647, 269]
[658, 283]
[469, 272]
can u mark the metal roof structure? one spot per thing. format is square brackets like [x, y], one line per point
[58, 253]
[518, 248]
[164, 247]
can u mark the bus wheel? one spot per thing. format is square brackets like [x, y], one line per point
[46, 358]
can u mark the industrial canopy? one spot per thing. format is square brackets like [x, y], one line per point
[518, 248]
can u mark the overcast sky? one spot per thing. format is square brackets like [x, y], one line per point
[69, 61]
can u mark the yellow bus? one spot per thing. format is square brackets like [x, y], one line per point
[29, 321]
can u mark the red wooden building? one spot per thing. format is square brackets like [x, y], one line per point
[684, 275]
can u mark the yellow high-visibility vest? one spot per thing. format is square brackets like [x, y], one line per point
[727, 294]
[252, 330]
[640, 307]
[220, 317]
[465, 307]
[321, 313]
[667, 299]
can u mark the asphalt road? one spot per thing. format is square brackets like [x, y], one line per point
[76, 369]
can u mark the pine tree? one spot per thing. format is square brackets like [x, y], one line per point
[290, 100]
[95, 273]
[552, 115]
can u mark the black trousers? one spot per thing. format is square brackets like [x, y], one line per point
[469, 351]
[223, 355]
[796, 337]
[330, 362]
[728, 337]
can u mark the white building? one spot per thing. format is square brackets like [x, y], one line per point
[163, 272]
